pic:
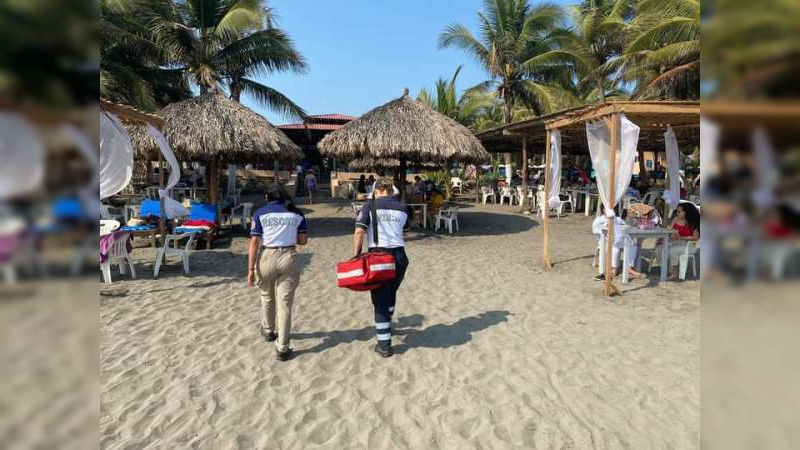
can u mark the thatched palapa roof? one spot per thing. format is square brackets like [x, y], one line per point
[212, 126]
[404, 128]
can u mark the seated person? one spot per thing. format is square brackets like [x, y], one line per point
[419, 186]
[361, 188]
[621, 239]
[686, 228]
[435, 204]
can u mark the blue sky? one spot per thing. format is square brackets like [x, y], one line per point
[362, 53]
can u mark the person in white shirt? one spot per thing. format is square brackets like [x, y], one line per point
[621, 239]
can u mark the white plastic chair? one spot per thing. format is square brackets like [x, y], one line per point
[507, 192]
[564, 200]
[449, 216]
[174, 250]
[109, 212]
[686, 258]
[542, 205]
[118, 253]
[244, 211]
[457, 183]
[487, 193]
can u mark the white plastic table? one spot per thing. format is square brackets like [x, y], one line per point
[639, 235]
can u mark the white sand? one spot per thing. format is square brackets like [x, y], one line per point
[492, 352]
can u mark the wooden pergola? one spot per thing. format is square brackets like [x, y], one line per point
[651, 116]
[132, 116]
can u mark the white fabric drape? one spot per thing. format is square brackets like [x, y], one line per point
[766, 170]
[599, 139]
[672, 196]
[555, 167]
[709, 142]
[88, 193]
[21, 156]
[116, 156]
[172, 207]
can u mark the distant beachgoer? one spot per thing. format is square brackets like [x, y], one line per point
[394, 218]
[311, 185]
[277, 229]
[362, 184]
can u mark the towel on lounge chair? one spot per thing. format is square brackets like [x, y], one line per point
[196, 226]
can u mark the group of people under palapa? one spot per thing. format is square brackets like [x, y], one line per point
[279, 227]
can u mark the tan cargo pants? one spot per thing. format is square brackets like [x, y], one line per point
[278, 276]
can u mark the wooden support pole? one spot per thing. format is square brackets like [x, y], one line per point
[212, 183]
[524, 203]
[161, 184]
[401, 178]
[546, 207]
[275, 162]
[613, 125]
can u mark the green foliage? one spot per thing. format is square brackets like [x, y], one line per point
[153, 51]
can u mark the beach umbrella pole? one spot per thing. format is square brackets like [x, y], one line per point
[613, 125]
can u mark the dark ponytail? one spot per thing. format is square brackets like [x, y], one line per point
[278, 194]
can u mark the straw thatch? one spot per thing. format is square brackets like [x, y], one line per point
[404, 128]
[212, 126]
[388, 163]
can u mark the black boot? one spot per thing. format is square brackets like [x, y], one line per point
[385, 350]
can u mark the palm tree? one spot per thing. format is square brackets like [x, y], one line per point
[464, 109]
[663, 55]
[520, 47]
[218, 43]
[131, 59]
[599, 33]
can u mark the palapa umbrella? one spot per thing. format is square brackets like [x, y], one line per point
[387, 163]
[213, 128]
[406, 130]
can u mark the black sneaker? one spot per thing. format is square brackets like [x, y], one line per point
[269, 336]
[600, 277]
[284, 355]
[384, 350]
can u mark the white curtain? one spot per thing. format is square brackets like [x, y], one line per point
[555, 167]
[172, 207]
[599, 138]
[766, 170]
[116, 156]
[672, 195]
[709, 142]
[21, 156]
[88, 193]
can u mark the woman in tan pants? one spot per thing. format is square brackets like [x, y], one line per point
[278, 227]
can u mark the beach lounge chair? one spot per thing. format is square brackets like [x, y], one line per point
[172, 248]
[202, 221]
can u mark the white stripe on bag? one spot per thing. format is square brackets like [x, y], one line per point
[384, 336]
[379, 267]
[383, 325]
[351, 274]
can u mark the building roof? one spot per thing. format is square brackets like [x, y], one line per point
[333, 117]
[311, 126]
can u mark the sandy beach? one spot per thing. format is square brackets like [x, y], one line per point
[491, 351]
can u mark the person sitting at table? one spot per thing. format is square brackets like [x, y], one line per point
[621, 240]
[435, 204]
[362, 185]
[686, 228]
[370, 183]
[419, 186]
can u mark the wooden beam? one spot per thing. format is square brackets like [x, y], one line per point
[546, 207]
[690, 111]
[129, 113]
[614, 127]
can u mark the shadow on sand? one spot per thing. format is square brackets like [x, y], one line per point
[434, 336]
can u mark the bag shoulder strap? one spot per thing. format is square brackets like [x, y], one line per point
[373, 211]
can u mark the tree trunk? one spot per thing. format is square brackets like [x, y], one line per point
[236, 92]
[509, 105]
[524, 202]
[400, 179]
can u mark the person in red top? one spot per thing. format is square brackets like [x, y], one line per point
[685, 225]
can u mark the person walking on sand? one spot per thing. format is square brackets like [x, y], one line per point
[394, 218]
[277, 229]
[311, 185]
